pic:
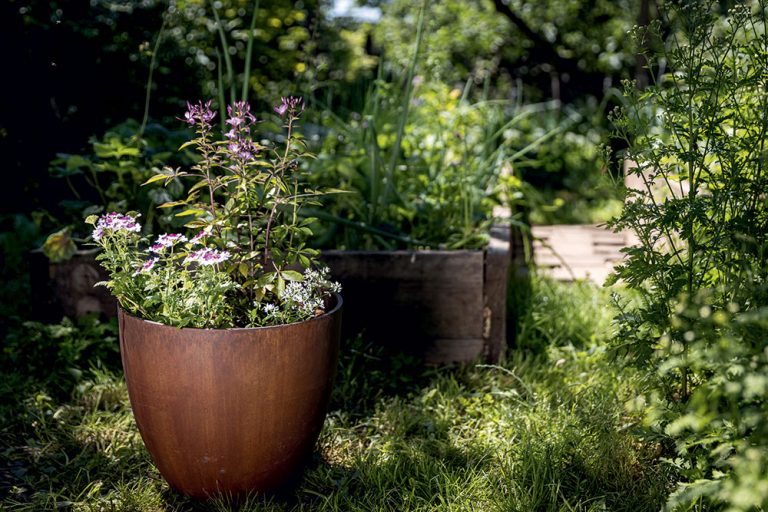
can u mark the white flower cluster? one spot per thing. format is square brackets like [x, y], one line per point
[270, 308]
[299, 295]
[166, 240]
[146, 266]
[308, 296]
[319, 279]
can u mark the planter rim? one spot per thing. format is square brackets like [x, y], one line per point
[335, 309]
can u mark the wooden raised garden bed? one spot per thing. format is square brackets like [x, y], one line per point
[443, 306]
[67, 288]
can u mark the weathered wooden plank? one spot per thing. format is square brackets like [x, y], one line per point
[405, 298]
[496, 279]
[445, 306]
[451, 350]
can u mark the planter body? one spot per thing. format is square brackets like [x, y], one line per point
[229, 412]
[441, 306]
[67, 288]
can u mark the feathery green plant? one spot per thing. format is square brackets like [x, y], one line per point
[701, 219]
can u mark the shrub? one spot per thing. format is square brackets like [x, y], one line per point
[701, 218]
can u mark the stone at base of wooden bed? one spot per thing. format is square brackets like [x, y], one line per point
[442, 306]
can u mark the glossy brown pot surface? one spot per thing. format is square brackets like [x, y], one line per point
[229, 411]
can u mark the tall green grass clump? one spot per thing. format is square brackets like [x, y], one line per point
[423, 164]
[550, 313]
[701, 217]
[423, 167]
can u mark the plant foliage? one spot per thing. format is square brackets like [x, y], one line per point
[700, 215]
[244, 203]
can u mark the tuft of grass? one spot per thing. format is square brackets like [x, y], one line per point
[552, 313]
[547, 430]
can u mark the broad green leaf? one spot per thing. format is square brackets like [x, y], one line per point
[191, 211]
[153, 179]
[59, 246]
[291, 275]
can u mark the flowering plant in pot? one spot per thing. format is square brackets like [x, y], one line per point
[229, 351]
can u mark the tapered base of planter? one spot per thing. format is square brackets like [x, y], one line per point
[229, 412]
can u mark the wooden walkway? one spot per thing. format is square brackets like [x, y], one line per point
[582, 251]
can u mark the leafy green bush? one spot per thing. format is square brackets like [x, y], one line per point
[478, 39]
[720, 432]
[701, 219]
[111, 177]
[424, 167]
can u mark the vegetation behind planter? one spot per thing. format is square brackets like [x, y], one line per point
[442, 306]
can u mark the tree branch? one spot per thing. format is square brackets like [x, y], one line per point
[542, 45]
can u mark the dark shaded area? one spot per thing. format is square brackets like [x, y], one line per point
[70, 81]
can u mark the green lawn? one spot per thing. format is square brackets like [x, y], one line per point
[548, 430]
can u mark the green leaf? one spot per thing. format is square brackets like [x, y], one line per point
[187, 144]
[171, 204]
[59, 246]
[190, 211]
[156, 177]
[291, 275]
[197, 186]
[266, 279]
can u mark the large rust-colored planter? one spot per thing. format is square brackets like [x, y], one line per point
[229, 411]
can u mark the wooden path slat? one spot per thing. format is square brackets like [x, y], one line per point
[582, 251]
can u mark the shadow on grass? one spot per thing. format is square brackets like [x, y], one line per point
[399, 436]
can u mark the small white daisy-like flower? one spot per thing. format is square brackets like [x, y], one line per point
[269, 308]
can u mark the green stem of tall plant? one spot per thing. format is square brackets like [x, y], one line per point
[407, 98]
[249, 53]
[225, 49]
[276, 199]
[152, 62]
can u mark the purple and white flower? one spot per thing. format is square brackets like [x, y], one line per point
[240, 114]
[199, 114]
[147, 266]
[198, 237]
[115, 222]
[290, 104]
[167, 240]
[207, 256]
